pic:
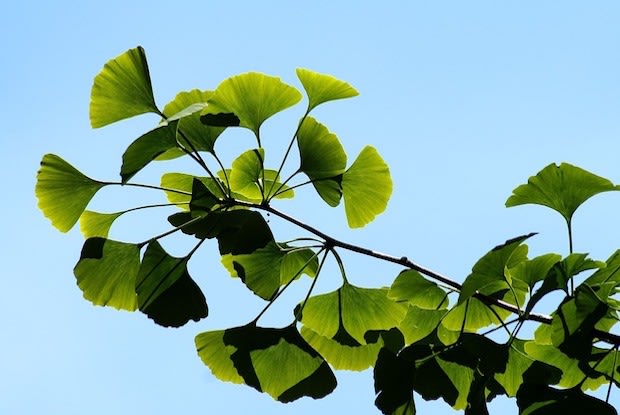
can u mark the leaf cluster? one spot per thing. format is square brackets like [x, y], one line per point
[425, 336]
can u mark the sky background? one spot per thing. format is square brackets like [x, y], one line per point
[464, 100]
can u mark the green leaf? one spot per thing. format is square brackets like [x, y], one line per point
[342, 356]
[562, 188]
[250, 181]
[608, 274]
[63, 191]
[278, 362]
[181, 185]
[147, 148]
[491, 268]
[252, 97]
[534, 270]
[420, 323]
[341, 320]
[412, 287]
[97, 224]
[106, 273]
[122, 89]
[535, 399]
[366, 187]
[166, 292]
[520, 367]
[186, 107]
[322, 154]
[321, 88]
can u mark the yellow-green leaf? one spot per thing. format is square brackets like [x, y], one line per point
[252, 97]
[122, 89]
[366, 188]
[63, 191]
[321, 88]
[97, 224]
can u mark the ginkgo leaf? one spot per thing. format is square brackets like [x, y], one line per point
[97, 224]
[412, 287]
[366, 188]
[252, 97]
[348, 313]
[491, 268]
[393, 377]
[122, 89]
[250, 181]
[147, 148]
[323, 159]
[63, 191]
[166, 292]
[534, 270]
[178, 188]
[265, 270]
[192, 133]
[321, 88]
[562, 188]
[419, 323]
[278, 362]
[106, 273]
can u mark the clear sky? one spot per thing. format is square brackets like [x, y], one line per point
[464, 100]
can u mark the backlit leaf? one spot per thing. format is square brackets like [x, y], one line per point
[535, 399]
[252, 97]
[122, 89]
[322, 155]
[97, 224]
[63, 191]
[147, 148]
[166, 292]
[366, 187]
[412, 287]
[394, 377]
[278, 362]
[563, 188]
[180, 185]
[187, 106]
[106, 273]
[419, 323]
[321, 88]
[491, 268]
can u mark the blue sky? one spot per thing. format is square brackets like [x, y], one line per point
[464, 100]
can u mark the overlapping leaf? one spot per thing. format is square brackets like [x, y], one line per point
[535, 399]
[191, 133]
[344, 317]
[321, 88]
[63, 191]
[178, 188]
[166, 292]
[247, 100]
[122, 89]
[418, 291]
[97, 224]
[278, 362]
[106, 273]
[250, 181]
[562, 188]
[366, 188]
[266, 269]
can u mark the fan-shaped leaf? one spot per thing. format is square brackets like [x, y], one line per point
[491, 268]
[534, 270]
[186, 107]
[394, 384]
[147, 148]
[178, 188]
[122, 89]
[563, 188]
[419, 323]
[106, 273]
[321, 88]
[166, 292]
[252, 97]
[63, 191]
[366, 187]
[278, 362]
[97, 224]
[322, 155]
[412, 287]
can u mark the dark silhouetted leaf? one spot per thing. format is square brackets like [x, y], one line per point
[166, 292]
[545, 400]
[147, 148]
[394, 384]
